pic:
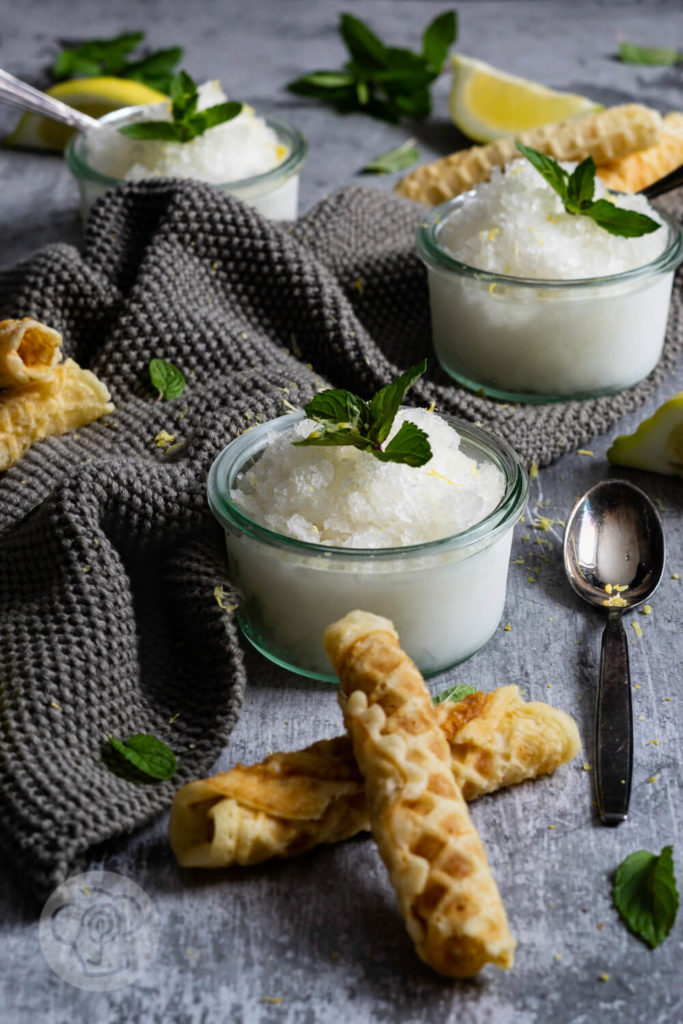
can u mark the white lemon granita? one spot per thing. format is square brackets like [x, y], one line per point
[240, 148]
[516, 224]
[344, 497]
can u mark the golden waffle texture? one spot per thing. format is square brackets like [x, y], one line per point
[637, 170]
[436, 861]
[28, 351]
[606, 135]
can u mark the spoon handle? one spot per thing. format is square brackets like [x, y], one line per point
[614, 725]
[16, 93]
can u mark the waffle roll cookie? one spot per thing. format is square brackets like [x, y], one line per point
[291, 802]
[436, 861]
[637, 170]
[28, 351]
[605, 135]
[71, 398]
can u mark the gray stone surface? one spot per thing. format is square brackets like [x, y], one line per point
[318, 939]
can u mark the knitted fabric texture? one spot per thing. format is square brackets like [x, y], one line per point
[112, 616]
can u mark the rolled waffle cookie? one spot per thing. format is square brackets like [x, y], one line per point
[71, 398]
[606, 135]
[293, 801]
[29, 351]
[435, 858]
[637, 170]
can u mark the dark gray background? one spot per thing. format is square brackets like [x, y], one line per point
[322, 933]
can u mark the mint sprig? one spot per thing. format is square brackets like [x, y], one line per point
[576, 192]
[148, 754]
[110, 57]
[386, 82]
[454, 693]
[346, 419]
[187, 122]
[645, 894]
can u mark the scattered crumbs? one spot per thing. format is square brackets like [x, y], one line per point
[191, 746]
[668, 698]
[549, 685]
[636, 686]
[600, 926]
[163, 438]
[522, 519]
[286, 722]
[604, 976]
[192, 954]
[174, 718]
[584, 451]
[531, 579]
[552, 826]
[526, 536]
[334, 956]
[271, 999]
[219, 595]
[653, 778]
[576, 642]
[243, 335]
[557, 956]
[96, 542]
[552, 618]
[587, 767]
[359, 285]
[183, 413]
[656, 742]
[674, 576]
[25, 481]
[543, 523]
[646, 609]
[636, 628]
[507, 627]
[641, 718]
[517, 561]
[55, 705]
[86, 890]
[533, 471]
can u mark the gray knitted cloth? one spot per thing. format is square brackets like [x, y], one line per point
[109, 624]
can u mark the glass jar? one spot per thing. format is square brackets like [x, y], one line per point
[275, 194]
[445, 597]
[533, 340]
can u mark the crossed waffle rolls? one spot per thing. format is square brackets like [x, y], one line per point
[291, 802]
[606, 135]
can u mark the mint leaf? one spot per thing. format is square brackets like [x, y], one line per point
[617, 221]
[187, 122]
[156, 70]
[396, 159]
[438, 38]
[143, 130]
[645, 894]
[148, 754]
[454, 693]
[384, 81]
[110, 57]
[166, 378]
[346, 419]
[410, 446]
[555, 175]
[576, 193]
[385, 404]
[658, 55]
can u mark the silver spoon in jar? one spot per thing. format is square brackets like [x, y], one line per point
[23, 96]
[614, 558]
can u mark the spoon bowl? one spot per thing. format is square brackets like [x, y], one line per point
[614, 554]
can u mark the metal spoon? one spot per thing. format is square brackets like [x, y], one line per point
[23, 96]
[614, 557]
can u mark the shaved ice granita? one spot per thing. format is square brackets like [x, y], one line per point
[314, 532]
[530, 302]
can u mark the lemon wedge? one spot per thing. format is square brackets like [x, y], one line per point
[657, 444]
[487, 104]
[94, 96]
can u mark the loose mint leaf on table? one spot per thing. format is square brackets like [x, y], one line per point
[347, 419]
[166, 378]
[148, 754]
[396, 159]
[663, 56]
[645, 894]
[454, 693]
[187, 122]
[387, 82]
[110, 57]
[576, 192]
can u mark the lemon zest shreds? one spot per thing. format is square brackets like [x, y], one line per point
[219, 595]
[163, 438]
[636, 628]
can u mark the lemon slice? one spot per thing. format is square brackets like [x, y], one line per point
[487, 104]
[657, 444]
[94, 96]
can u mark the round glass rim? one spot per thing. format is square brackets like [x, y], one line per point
[298, 148]
[436, 257]
[228, 463]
